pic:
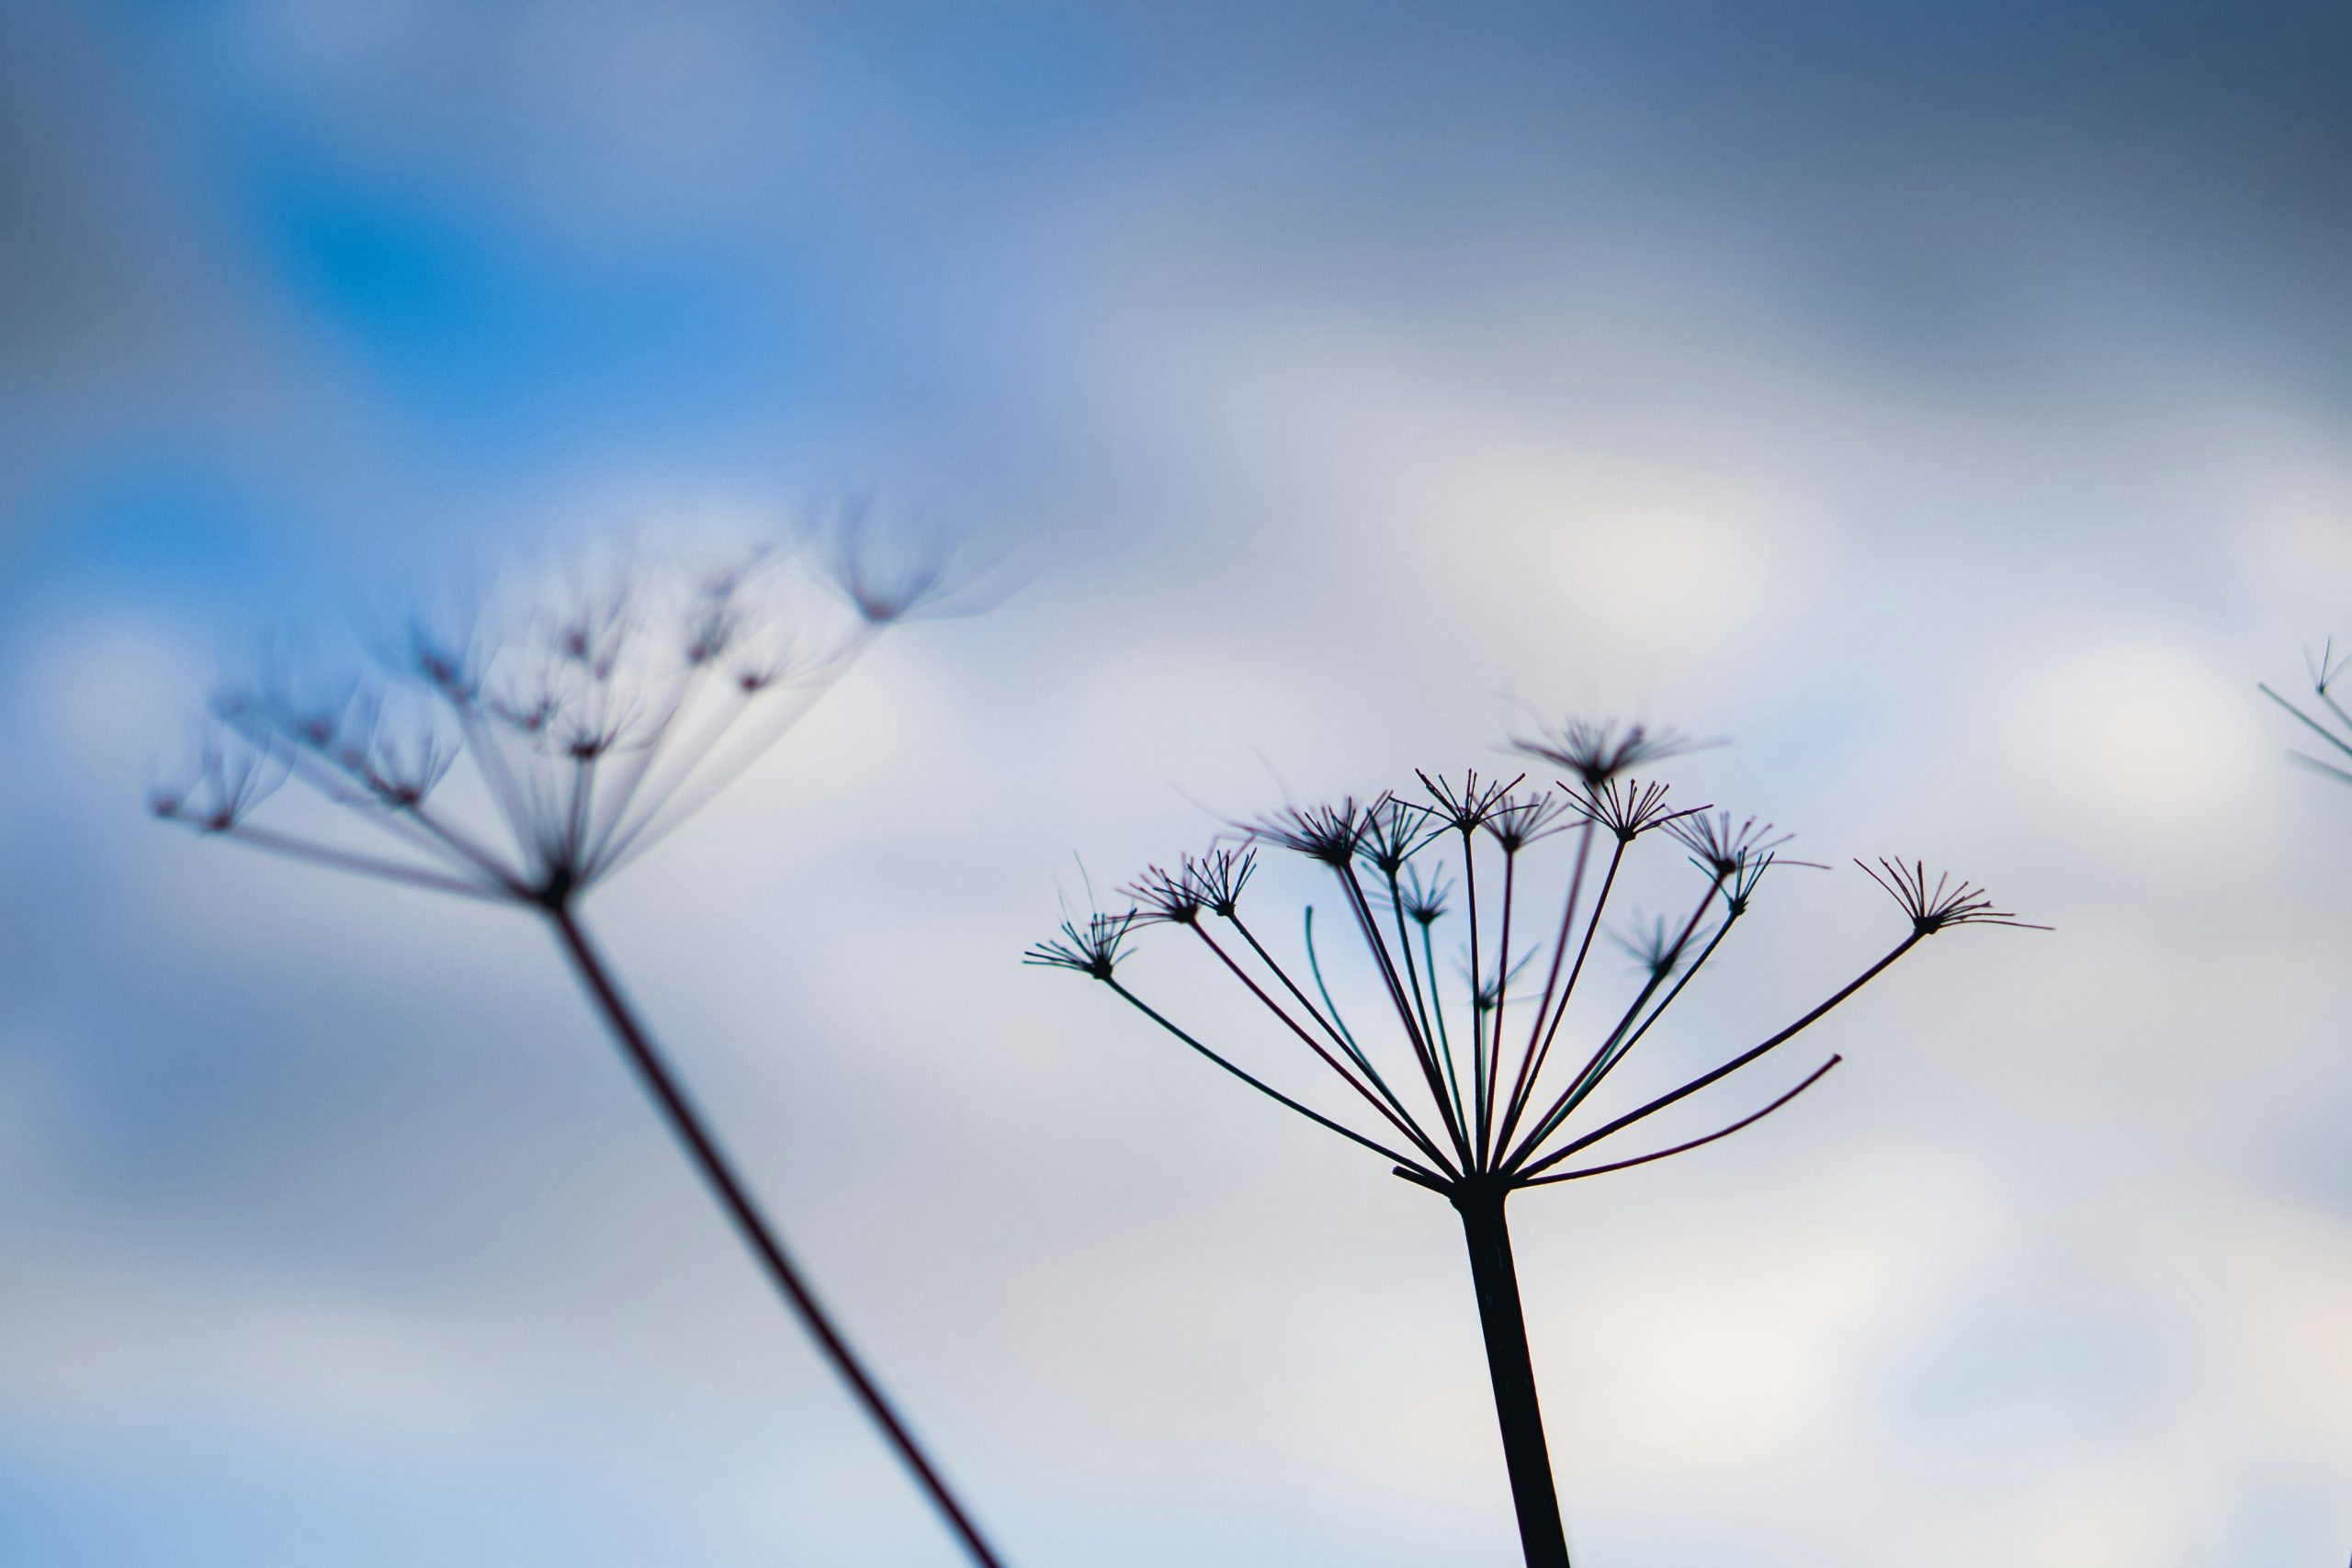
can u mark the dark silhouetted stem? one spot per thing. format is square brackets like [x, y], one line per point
[1540, 1535]
[1743, 1059]
[1395, 1119]
[1531, 1067]
[1270, 1092]
[686, 1124]
[1688, 1144]
[1331, 1026]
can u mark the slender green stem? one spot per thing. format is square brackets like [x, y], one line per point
[1369, 928]
[1336, 1031]
[1437, 1010]
[1412, 1133]
[1314, 966]
[2315, 725]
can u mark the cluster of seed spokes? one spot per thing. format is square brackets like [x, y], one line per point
[2333, 725]
[1949, 903]
[1467, 1079]
[587, 732]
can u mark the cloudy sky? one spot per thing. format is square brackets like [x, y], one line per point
[1945, 404]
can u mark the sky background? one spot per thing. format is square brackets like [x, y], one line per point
[1943, 403]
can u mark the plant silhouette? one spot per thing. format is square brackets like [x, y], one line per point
[1474, 1093]
[573, 746]
[2333, 725]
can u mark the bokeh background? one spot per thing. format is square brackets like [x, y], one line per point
[1945, 404]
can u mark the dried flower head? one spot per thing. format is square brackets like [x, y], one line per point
[1519, 820]
[1423, 900]
[1657, 943]
[1468, 804]
[1449, 1073]
[1167, 897]
[1218, 877]
[1089, 946]
[1947, 904]
[586, 730]
[230, 778]
[1595, 753]
[1627, 807]
[1330, 834]
[1739, 888]
[917, 581]
[1487, 992]
[1718, 848]
[1392, 829]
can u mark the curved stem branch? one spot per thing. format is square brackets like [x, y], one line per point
[1272, 1093]
[1743, 1059]
[1747, 1121]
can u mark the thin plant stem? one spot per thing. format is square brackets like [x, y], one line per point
[1448, 1113]
[1559, 951]
[1493, 1054]
[411, 828]
[1330, 1026]
[1747, 1121]
[1272, 1093]
[1477, 972]
[622, 797]
[655, 821]
[1437, 1008]
[1533, 1068]
[1315, 967]
[1743, 1059]
[1614, 1044]
[2308, 722]
[365, 866]
[1622, 1050]
[1355, 1051]
[687, 1124]
[1412, 973]
[1411, 1133]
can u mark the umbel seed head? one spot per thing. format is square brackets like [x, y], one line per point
[1088, 947]
[1520, 820]
[1719, 848]
[1947, 904]
[1627, 807]
[1595, 753]
[1392, 829]
[1423, 899]
[1330, 834]
[1454, 1081]
[1218, 877]
[1167, 897]
[1467, 805]
[587, 728]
